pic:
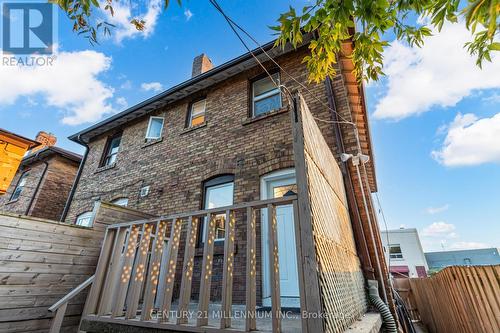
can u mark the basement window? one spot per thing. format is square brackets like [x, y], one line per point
[120, 202]
[19, 187]
[155, 128]
[84, 219]
[266, 96]
[197, 113]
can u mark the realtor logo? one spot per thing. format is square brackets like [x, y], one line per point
[27, 28]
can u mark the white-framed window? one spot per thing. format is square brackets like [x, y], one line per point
[85, 219]
[395, 251]
[155, 128]
[197, 113]
[266, 96]
[219, 192]
[120, 202]
[19, 187]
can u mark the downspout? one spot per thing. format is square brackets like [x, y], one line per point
[351, 198]
[37, 157]
[77, 179]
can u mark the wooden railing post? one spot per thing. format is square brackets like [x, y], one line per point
[55, 324]
[123, 279]
[113, 271]
[187, 271]
[154, 267]
[251, 281]
[206, 271]
[139, 273]
[228, 267]
[274, 269]
[171, 253]
[101, 269]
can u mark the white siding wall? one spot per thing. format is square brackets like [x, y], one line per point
[413, 254]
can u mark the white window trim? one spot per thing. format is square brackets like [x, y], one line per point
[85, 215]
[123, 201]
[395, 256]
[265, 95]
[149, 127]
[191, 111]
[204, 234]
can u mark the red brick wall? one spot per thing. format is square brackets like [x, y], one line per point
[176, 167]
[53, 191]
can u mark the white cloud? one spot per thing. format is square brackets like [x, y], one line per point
[71, 84]
[435, 210]
[122, 102]
[467, 246]
[441, 73]
[154, 86]
[439, 229]
[470, 141]
[125, 11]
[188, 14]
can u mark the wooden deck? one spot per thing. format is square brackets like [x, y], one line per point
[291, 321]
[136, 273]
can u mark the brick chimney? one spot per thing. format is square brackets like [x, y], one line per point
[46, 140]
[201, 64]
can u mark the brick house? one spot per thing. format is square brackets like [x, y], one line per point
[224, 137]
[12, 149]
[43, 181]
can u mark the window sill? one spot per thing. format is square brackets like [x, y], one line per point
[265, 116]
[11, 201]
[190, 129]
[152, 142]
[104, 168]
[218, 249]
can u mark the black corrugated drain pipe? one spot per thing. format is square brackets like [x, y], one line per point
[374, 297]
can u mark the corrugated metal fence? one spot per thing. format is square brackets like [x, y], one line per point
[460, 299]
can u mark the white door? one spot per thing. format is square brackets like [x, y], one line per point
[277, 185]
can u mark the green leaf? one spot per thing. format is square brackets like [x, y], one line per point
[494, 46]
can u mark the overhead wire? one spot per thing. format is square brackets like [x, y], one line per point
[233, 25]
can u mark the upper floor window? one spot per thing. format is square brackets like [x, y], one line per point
[155, 127]
[19, 187]
[111, 151]
[219, 192]
[395, 251]
[84, 219]
[197, 113]
[120, 202]
[266, 96]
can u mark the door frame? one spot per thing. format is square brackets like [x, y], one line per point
[265, 181]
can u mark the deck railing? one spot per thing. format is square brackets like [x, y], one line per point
[135, 254]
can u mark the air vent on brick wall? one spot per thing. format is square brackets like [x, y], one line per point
[144, 191]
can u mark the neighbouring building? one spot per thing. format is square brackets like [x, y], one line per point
[43, 181]
[472, 257]
[12, 149]
[404, 253]
[224, 137]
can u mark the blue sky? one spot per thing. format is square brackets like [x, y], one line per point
[435, 119]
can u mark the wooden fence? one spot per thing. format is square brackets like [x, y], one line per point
[331, 267]
[460, 299]
[402, 286]
[41, 261]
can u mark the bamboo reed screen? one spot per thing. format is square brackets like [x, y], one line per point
[341, 281]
